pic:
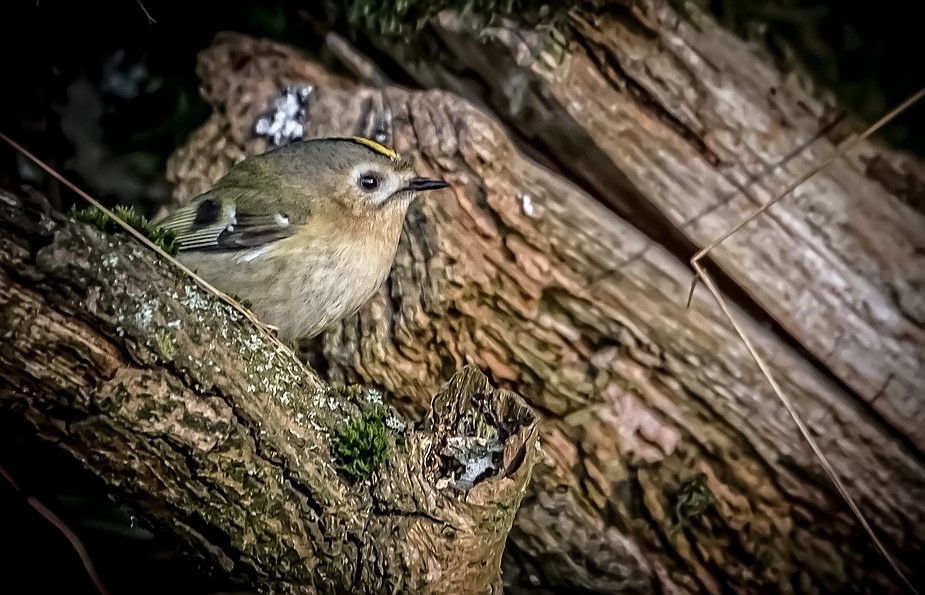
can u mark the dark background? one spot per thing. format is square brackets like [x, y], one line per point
[104, 95]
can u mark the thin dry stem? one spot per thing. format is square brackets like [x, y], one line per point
[701, 273]
[263, 328]
[788, 404]
[843, 148]
[151, 20]
[66, 531]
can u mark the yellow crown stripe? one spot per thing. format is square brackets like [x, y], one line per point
[382, 150]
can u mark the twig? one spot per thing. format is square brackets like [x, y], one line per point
[263, 328]
[55, 520]
[843, 148]
[701, 274]
[151, 20]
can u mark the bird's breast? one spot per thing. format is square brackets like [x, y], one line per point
[324, 283]
[301, 285]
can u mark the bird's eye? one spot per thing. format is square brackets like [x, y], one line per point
[369, 182]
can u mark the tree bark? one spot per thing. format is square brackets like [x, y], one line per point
[684, 129]
[668, 462]
[223, 440]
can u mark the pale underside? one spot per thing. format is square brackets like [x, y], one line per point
[292, 285]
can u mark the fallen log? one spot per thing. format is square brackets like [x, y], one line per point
[667, 458]
[215, 435]
[684, 129]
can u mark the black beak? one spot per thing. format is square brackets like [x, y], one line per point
[422, 184]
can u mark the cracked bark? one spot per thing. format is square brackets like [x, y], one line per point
[668, 463]
[668, 124]
[218, 438]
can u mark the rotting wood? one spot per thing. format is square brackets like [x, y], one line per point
[666, 121]
[204, 428]
[665, 451]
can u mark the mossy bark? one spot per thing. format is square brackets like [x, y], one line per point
[668, 464]
[221, 439]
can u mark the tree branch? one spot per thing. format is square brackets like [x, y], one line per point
[666, 454]
[215, 436]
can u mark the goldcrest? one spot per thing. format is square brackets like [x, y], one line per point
[306, 232]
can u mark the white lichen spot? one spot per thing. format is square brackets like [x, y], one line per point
[144, 316]
[174, 324]
[374, 396]
[285, 120]
[253, 343]
[474, 469]
[475, 454]
[111, 261]
[194, 299]
[526, 204]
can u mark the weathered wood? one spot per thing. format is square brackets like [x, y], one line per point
[666, 454]
[221, 439]
[661, 119]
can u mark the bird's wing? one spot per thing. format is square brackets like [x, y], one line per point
[208, 223]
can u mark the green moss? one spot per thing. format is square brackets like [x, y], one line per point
[403, 19]
[362, 446]
[691, 500]
[164, 344]
[166, 240]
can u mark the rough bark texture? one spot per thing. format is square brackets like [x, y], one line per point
[218, 437]
[668, 462]
[695, 128]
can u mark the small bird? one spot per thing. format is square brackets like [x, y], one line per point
[306, 232]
